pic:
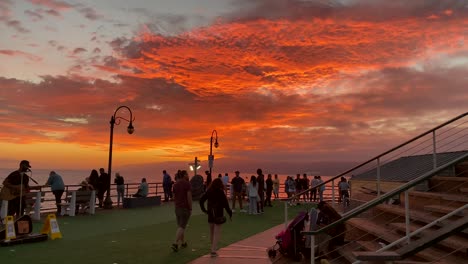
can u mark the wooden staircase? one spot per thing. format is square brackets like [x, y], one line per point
[446, 242]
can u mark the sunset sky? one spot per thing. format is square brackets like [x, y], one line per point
[280, 80]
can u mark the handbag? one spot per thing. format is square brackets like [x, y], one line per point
[219, 219]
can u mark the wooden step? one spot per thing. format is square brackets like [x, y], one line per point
[454, 242]
[387, 235]
[415, 215]
[440, 196]
[443, 209]
[464, 190]
[457, 179]
[374, 229]
[377, 256]
[425, 243]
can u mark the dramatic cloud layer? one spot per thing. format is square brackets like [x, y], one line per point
[280, 81]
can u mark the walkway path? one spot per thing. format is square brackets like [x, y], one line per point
[252, 250]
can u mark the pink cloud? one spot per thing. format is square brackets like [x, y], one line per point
[15, 53]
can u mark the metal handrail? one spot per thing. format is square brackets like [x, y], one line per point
[362, 208]
[379, 156]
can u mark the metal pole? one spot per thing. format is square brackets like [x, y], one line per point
[108, 201]
[312, 249]
[333, 192]
[407, 218]
[208, 178]
[378, 177]
[286, 214]
[434, 151]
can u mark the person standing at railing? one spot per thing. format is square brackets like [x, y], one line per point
[298, 183]
[305, 186]
[261, 190]
[103, 185]
[313, 192]
[167, 186]
[252, 191]
[269, 190]
[321, 189]
[57, 187]
[93, 179]
[120, 182]
[276, 186]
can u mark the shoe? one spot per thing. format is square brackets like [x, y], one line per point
[184, 245]
[175, 247]
[214, 254]
[233, 210]
[243, 211]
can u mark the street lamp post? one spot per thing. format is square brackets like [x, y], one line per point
[211, 156]
[130, 129]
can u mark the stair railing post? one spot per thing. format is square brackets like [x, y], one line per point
[378, 177]
[333, 193]
[37, 207]
[285, 214]
[312, 249]
[434, 150]
[407, 218]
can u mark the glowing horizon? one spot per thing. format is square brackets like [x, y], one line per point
[279, 80]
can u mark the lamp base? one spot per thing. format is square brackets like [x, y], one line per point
[108, 203]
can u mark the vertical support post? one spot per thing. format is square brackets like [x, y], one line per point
[4, 211]
[378, 177]
[285, 214]
[312, 249]
[92, 202]
[72, 204]
[407, 218]
[333, 193]
[434, 150]
[37, 207]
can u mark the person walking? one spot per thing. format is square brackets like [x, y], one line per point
[57, 187]
[237, 185]
[167, 186]
[217, 203]
[120, 182]
[183, 207]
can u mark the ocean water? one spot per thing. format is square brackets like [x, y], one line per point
[72, 177]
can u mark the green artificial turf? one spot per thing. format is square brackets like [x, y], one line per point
[141, 235]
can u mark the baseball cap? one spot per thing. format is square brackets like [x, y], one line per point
[26, 163]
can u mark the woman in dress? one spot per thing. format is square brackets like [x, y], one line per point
[276, 185]
[217, 203]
